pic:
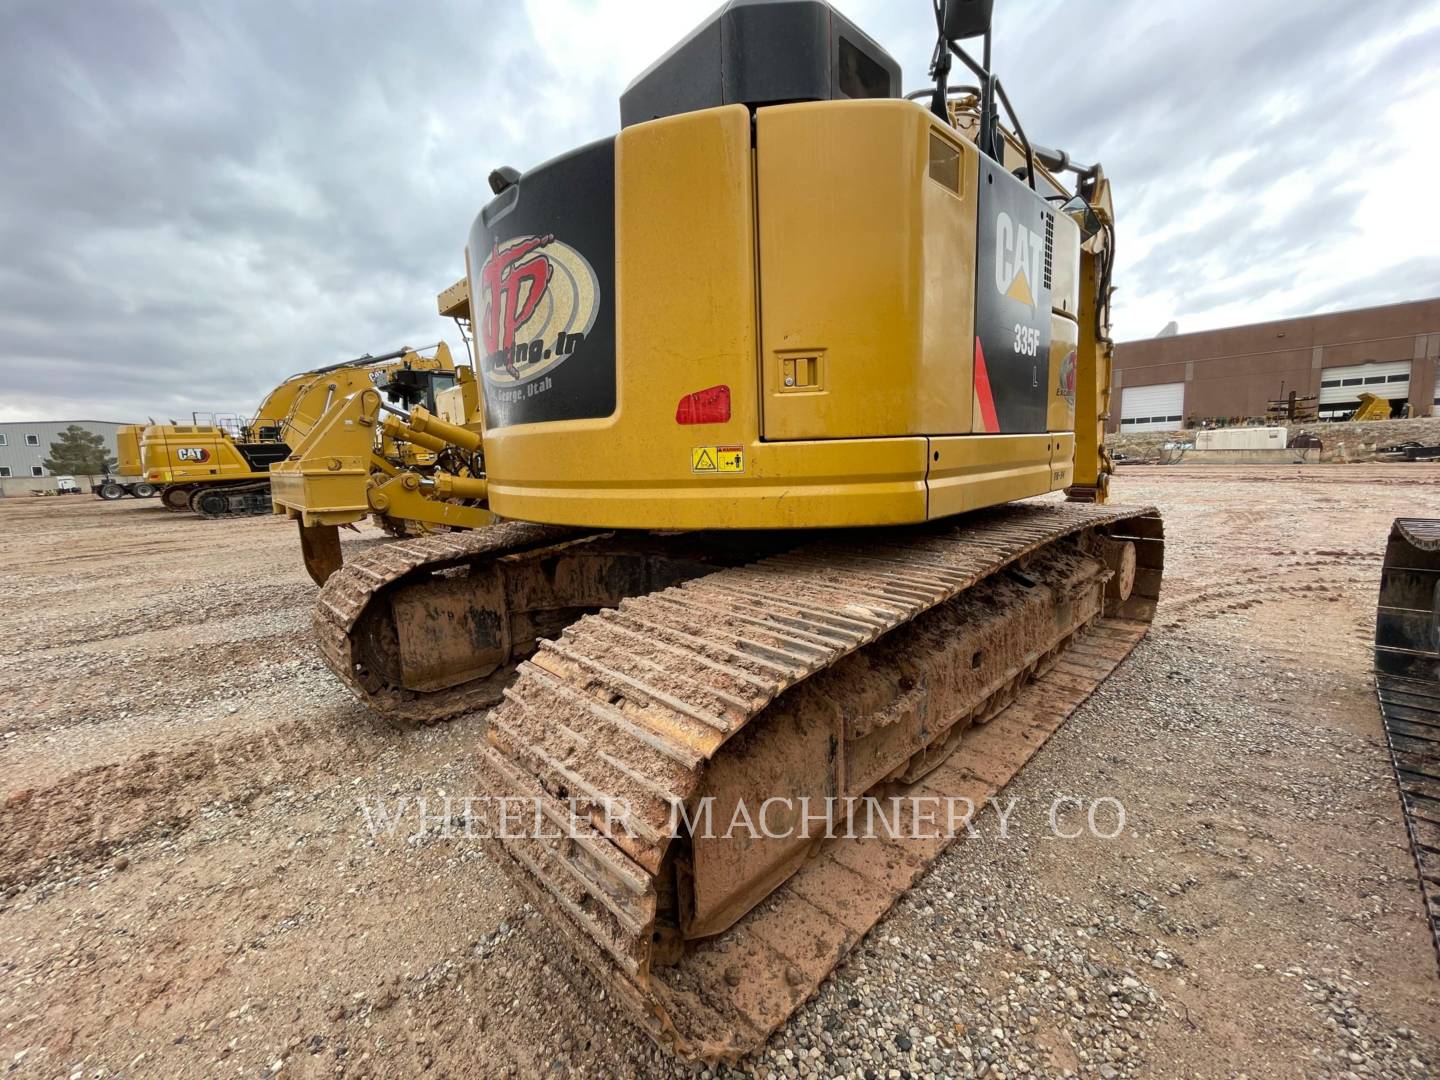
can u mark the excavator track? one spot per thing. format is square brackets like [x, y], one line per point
[427, 628]
[1407, 682]
[928, 662]
[361, 587]
[231, 500]
[404, 530]
[176, 498]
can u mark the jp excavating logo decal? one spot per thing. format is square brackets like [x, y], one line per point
[192, 453]
[1019, 253]
[1066, 389]
[539, 297]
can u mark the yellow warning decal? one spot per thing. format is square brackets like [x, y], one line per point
[717, 459]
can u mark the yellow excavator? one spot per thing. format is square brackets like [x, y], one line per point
[216, 472]
[763, 379]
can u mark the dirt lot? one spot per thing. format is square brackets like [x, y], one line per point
[189, 887]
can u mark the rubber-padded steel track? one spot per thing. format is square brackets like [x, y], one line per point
[1407, 682]
[632, 704]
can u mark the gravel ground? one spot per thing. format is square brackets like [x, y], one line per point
[189, 887]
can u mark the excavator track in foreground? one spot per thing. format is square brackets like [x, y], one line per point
[1407, 681]
[431, 627]
[358, 593]
[928, 662]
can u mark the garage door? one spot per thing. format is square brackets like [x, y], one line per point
[1152, 408]
[1341, 387]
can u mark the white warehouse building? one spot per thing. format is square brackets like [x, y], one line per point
[25, 444]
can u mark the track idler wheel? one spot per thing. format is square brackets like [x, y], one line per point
[1119, 556]
[176, 498]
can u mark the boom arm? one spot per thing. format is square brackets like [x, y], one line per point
[296, 404]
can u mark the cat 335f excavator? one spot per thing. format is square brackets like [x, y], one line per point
[762, 378]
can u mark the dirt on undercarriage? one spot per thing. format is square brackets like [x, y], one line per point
[198, 880]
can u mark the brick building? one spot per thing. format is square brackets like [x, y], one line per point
[1181, 381]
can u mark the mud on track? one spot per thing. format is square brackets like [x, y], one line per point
[189, 888]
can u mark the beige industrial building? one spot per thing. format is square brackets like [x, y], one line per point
[1187, 380]
[25, 444]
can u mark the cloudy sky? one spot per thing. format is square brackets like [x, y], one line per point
[199, 198]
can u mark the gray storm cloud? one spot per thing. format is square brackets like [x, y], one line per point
[199, 199]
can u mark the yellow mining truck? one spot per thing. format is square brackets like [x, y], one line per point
[1371, 407]
[219, 471]
[762, 381]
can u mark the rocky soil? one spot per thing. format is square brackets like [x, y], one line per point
[190, 887]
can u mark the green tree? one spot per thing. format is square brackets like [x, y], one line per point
[78, 453]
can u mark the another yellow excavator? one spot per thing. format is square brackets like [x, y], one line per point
[217, 472]
[762, 380]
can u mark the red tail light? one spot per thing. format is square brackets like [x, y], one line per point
[709, 406]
